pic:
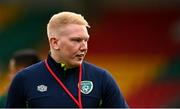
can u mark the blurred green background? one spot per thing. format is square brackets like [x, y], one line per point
[138, 41]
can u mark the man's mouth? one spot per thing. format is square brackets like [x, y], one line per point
[80, 56]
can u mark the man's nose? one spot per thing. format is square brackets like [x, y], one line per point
[83, 46]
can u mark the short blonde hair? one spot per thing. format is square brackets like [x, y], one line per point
[63, 18]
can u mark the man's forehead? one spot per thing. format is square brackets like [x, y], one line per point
[73, 29]
[80, 36]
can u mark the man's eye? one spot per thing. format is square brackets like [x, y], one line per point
[76, 40]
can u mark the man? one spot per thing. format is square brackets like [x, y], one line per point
[64, 79]
[19, 60]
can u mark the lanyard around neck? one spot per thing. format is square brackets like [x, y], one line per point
[79, 102]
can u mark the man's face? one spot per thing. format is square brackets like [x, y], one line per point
[13, 68]
[72, 44]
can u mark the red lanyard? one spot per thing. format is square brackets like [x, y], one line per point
[79, 102]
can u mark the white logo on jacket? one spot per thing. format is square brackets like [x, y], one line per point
[86, 87]
[42, 88]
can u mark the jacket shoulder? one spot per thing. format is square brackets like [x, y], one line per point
[90, 66]
[31, 70]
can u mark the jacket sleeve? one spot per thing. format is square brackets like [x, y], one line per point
[112, 97]
[16, 98]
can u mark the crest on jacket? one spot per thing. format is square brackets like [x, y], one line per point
[86, 87]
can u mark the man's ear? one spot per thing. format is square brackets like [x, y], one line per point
[54, 43]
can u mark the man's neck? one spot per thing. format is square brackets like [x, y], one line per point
[57, 60]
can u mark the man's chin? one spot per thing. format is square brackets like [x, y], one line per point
[75, 64]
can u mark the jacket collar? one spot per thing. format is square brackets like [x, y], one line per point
[57, 69]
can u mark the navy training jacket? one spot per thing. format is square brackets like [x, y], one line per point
[34, 86]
